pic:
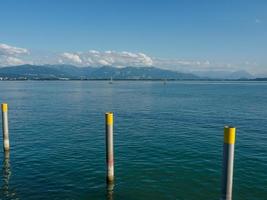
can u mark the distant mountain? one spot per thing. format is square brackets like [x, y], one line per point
[260, 79]
[105, 72]
[224, 74]
[139, 73]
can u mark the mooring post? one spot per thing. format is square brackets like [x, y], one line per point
[110, 190]
[5, 126]
[228, 162]
[109, 147]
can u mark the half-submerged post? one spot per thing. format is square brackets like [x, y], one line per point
[109, 147]
[4, 107]
[228, 162]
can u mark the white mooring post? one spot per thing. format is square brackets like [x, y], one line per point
[4, 107]
[228, 163]
[109, 147]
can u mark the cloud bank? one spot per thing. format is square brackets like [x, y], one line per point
[10, 55]
[11, 50]
[108, 58]
[70, 57]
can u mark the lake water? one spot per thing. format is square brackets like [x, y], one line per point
[168, 139]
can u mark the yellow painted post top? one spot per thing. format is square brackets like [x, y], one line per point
[109, 118]
[229, 135]
[4, 107]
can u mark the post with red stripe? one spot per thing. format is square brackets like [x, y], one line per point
[228, 162]
[109, 147]
[4, 107]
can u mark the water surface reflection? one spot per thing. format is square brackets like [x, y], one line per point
[6, 191]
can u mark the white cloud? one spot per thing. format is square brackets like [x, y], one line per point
[14, 61]
[103, 62]
[10, 55]
[7, 50]
[71, 57]
[10, 61]
[95, 52]
[109, 58]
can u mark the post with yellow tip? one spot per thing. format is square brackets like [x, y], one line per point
[228, 162]
[4, 107]
[109, 147]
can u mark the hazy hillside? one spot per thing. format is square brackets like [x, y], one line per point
[224, 74]
[105, 72]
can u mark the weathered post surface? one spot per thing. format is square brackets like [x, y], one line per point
[4, 107]
[228, 162]
[109, 147]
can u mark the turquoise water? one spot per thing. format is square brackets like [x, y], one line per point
[168, 139]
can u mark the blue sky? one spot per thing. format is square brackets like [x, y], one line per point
[181, 35]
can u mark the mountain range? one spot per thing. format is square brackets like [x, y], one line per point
[106, 72]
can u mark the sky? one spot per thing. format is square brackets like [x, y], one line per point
[183, 35]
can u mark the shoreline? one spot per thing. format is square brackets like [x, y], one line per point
[142, 80]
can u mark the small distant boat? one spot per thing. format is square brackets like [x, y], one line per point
[164, 81]
[111, 81]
